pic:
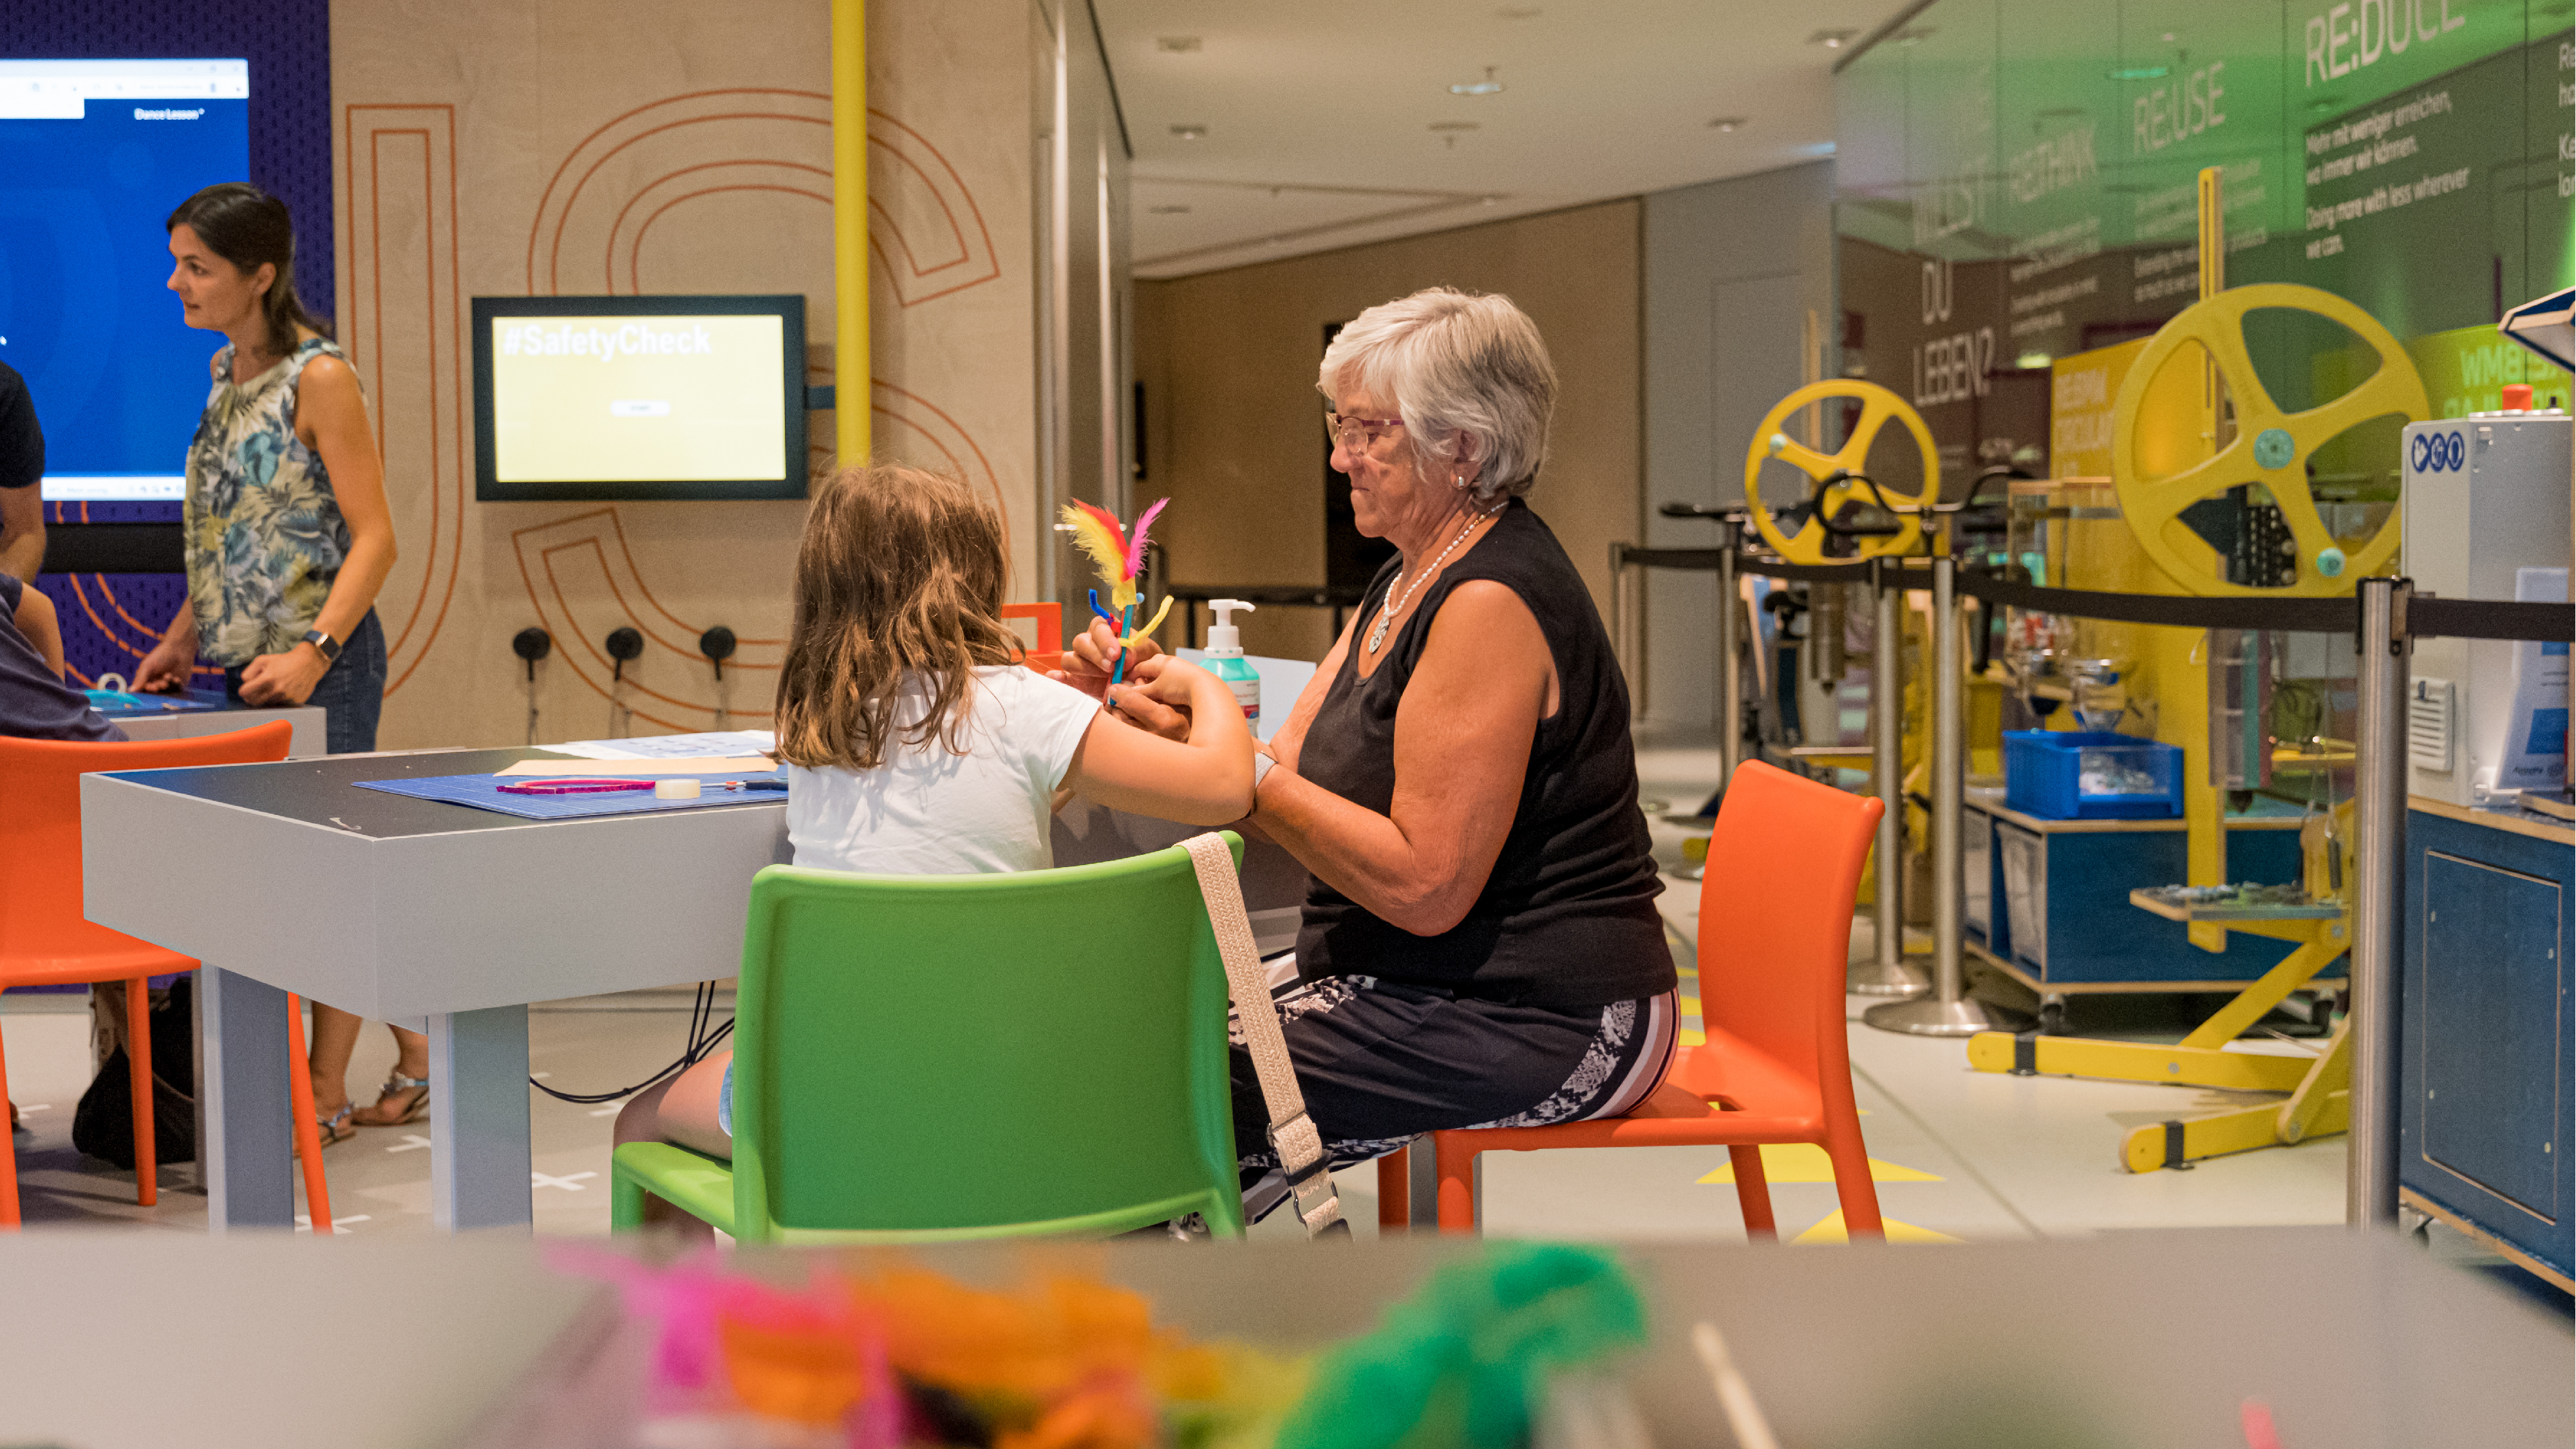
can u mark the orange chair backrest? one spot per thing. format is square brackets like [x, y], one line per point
[1775, 919]
[1047, 621]
[40, 841]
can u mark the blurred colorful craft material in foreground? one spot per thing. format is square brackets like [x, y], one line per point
[878, 1357]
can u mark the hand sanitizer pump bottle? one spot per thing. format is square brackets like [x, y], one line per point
[1225, 658]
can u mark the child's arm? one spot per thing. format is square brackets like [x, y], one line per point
[1203, 780]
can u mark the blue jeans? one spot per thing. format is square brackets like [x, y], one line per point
[352, 691]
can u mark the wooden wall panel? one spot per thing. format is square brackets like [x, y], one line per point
[502, 147]
[1234, 433]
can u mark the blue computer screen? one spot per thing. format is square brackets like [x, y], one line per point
[94, 156]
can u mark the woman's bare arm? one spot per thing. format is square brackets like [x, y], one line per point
[331, 417]
[1462, 743]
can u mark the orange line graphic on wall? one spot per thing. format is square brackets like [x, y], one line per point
[926, 230]
[402, 321]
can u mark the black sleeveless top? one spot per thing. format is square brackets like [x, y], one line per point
[1567, 919]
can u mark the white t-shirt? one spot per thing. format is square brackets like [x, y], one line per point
[926, 811]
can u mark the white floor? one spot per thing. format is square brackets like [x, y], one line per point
[1966, 1155]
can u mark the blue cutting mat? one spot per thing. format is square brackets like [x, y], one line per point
[483, 792]
[117, 704]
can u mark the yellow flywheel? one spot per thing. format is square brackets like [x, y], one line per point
[2271, 447]
[1878, 407]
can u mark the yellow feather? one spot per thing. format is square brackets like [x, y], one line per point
[1108, 552]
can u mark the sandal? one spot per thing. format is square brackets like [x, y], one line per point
[391, 1098]
[335, 1128]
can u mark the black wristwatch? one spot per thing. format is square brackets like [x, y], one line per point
[328, 647]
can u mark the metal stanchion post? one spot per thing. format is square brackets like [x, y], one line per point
[2379, 828]
[1730, 680]
[1949, 1010]
[1886, 973]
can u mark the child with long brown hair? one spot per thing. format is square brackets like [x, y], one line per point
[916, 745]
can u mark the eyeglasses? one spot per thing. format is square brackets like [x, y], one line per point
[1358, 435]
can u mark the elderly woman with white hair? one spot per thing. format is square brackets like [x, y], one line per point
[1480, 944]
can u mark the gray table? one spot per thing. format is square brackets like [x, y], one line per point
[451, 920]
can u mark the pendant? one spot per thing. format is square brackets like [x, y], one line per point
[1377, 636]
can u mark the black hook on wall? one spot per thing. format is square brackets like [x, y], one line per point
[624, 643]
[532, 644]
[717, 644]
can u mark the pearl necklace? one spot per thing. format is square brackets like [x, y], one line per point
[1386, 615]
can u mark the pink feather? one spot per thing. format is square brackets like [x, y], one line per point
[1136, 538]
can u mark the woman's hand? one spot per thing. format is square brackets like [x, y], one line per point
[277, 680]
[169, 667]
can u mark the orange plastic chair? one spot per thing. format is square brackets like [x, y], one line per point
[1775, 916]
[46, 941]
[1047, 620]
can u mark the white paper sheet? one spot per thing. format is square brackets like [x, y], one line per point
[722, 743]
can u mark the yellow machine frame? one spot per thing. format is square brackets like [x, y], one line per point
[2319, 1086]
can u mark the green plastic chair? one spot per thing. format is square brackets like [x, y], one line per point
[925, 1058]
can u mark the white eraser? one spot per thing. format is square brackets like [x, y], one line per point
[675, 789]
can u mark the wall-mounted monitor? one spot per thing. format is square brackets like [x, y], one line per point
[94, 156]
[639, 398]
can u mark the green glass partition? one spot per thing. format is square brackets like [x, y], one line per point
[2018, 182]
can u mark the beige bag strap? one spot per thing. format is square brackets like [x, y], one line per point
[1292, 1132]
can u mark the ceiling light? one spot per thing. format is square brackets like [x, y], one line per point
[1727, 123]
[1832, 39]
[1191, 133]
[2141, 72]
[1177, 44]
[2029, 361]
[1485, 87]
[1487, 200]
[1168, 210]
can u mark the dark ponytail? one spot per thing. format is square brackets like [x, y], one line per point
[246, 227]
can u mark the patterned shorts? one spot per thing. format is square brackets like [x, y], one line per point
[1382, 1063]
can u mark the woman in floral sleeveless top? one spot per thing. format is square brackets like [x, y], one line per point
[288, 538]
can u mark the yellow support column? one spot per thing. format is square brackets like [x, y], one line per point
[2184, 682]
[851, 374]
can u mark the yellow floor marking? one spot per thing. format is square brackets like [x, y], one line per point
[1831, 1231]
[1690, 1004]
[1692, 1036]
[1807, 1162]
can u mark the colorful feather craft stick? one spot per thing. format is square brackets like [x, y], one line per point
[1119, 554]
[1096, 531]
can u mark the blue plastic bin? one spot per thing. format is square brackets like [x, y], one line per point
[2046, 774]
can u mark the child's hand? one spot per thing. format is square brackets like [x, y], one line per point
[1156, 696]
[1094, 657]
